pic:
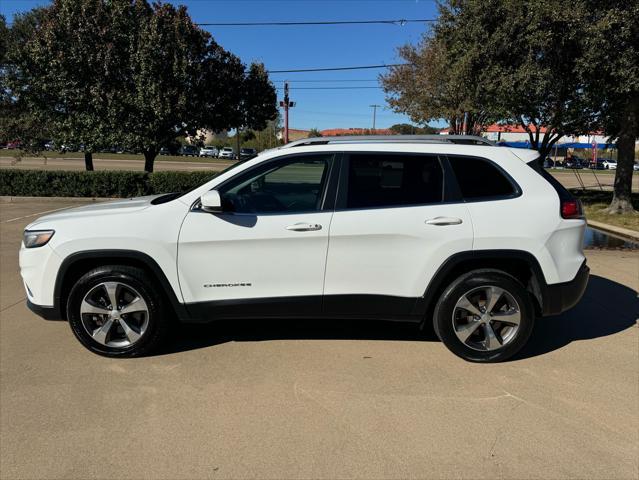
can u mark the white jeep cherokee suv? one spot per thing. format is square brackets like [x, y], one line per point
[477, 239]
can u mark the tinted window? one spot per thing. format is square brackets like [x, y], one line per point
[384, 180]
[479, 178]
[292, 187]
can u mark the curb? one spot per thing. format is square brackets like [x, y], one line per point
[9, 199]
[624, 232]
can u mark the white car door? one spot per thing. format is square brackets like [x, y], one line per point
[392, 229]
[266, 253]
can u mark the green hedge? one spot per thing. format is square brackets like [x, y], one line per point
[47, 183]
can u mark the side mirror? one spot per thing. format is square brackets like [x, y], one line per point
[211, 202]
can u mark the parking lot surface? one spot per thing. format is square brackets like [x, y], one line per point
[285, 400]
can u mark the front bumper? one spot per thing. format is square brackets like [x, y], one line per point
[560, 297]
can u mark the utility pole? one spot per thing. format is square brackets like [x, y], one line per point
[374, 115]
[286, 103]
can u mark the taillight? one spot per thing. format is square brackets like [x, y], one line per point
[571, 209]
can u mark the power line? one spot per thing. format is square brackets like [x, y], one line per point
[330, 80]
[328, 88]
[335, 69]
[400, 22]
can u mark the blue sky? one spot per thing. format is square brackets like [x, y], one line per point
[291, 47]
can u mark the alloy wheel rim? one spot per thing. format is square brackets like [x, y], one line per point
[114, 314]
[486, 318]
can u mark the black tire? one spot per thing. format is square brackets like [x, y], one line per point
[158, 321]
[445, 309]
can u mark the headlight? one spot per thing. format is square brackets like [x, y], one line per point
[37, 238]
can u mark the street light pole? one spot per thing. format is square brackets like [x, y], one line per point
[374, 115]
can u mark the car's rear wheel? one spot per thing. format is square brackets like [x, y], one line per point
[484, 316]
[115, 311]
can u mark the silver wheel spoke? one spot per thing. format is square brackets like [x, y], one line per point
[513, 317]
[493, 294]
[465, 331]
[86, 307]
[464, 303]
[131, 334]
[136, 305]
[107, 323]
[489, 327]
[101, 333]
[492, 342]
[112, 290]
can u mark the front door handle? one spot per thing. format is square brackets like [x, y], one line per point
[304, 227]
[442, 221]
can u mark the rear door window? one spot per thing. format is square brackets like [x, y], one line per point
[393, 180]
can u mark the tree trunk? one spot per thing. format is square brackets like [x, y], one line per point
[237, 142]
[149, 158]
[88, 161]
[621, 199]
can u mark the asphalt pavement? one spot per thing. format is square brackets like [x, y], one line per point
[313, 399]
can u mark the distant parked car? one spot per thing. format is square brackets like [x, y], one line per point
[610, 164]
[246, 153]
[209, 151]
[227, 152]
[596, 165]
[164, 151]
[14, 145]
[573, 162]
[636, 167]
[49, 145]
[189, 151]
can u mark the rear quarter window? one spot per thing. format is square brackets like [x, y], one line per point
[480, 179]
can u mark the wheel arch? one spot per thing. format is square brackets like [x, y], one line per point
[520, 264]
[79, 263]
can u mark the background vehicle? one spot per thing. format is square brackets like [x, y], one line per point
[189, 151]
[164, 151]
[246, 153]
[596, 164]
[227, 152]
[574, 162]
[209, 151]
[610, 164]
[413, 237]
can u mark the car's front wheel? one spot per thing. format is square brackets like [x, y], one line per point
[484, 316]
[114, 311]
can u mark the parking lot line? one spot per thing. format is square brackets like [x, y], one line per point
[33, 215]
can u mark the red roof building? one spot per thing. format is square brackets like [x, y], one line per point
[336, 132]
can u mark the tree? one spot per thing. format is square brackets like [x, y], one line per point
[16, 122]
[68, 70]
[408, 129]
[257, 101]
[127, 73]
[612, 33]
[510, 60]
[432, 87]
[314, 133]
[180, 89]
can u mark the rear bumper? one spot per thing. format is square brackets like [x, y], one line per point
[48, 313]
[560, 297]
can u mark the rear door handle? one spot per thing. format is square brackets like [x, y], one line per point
[304, 227]
[442, 221]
